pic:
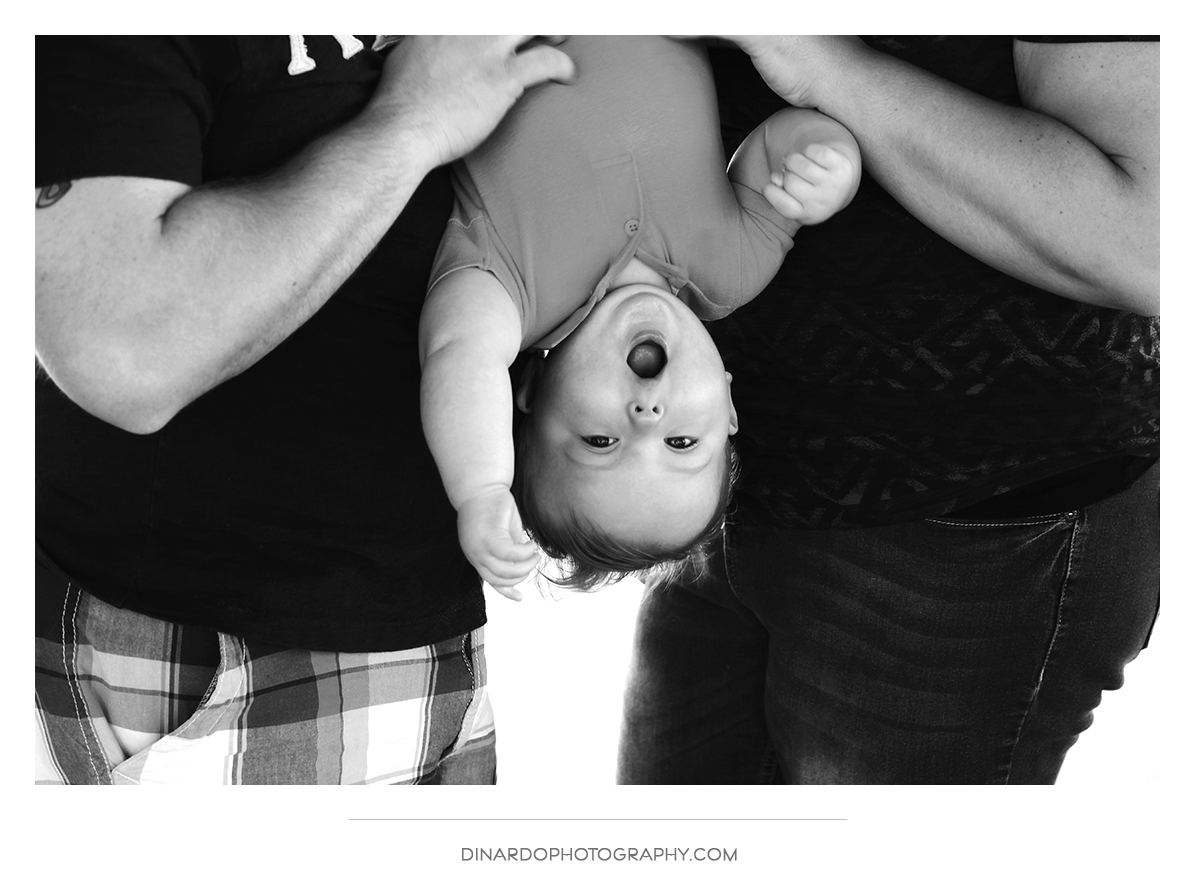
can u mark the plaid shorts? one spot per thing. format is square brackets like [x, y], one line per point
[127, 699]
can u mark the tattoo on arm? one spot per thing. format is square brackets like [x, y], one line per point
[49, 195]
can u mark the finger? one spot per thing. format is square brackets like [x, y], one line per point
[784, 203]
[511, 42]
[514, 572]
[500, 576]
[510, 551]
[805, 167]
[527, 557]
[514, 43]
[518, 533]
[527, 567]
[511, 570]
[542, 63]
[801, 188]
[826, 155]
[509, 592]
[506, 578]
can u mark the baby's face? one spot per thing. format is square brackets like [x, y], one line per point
[630, 419]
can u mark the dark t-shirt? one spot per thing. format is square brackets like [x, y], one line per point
[886, 375]
[296, 503]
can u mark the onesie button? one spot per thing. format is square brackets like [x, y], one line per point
[632, 226]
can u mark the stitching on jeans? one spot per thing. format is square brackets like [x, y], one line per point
[1012, 524]
[1041, 674]
[72, 681]
[1066, 577]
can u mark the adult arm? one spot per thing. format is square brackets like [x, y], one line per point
[1062, 193]
[469, 334]
[149, 292]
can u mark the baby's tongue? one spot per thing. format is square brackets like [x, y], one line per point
[647, 359]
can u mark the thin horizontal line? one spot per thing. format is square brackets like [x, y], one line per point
[590, 819]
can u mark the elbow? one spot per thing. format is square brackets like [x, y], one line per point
[131, 400]
[1136, 298]
[1132, 268]
[1147, 299]
[134, 409]
[1146, 304]
[1127, 279]
[1130, 287]
[141, 419]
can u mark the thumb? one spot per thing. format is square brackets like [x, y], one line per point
[542, 63]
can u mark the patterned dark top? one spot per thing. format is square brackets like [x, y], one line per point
[885, 375]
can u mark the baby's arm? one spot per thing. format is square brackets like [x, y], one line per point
[806, 164]
[469, 333]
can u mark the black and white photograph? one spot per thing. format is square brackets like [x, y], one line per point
[561, 413]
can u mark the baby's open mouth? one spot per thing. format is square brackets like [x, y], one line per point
[647, 359]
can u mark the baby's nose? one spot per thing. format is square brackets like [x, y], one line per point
[647, 359]
[646, 410]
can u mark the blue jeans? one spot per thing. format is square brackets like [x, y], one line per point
[944, 651]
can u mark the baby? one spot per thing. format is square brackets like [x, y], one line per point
[599, 222]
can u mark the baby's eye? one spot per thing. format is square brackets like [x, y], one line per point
[680, 443]
[598, 441]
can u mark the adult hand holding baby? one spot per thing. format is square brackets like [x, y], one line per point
[453, 90]
[797, 67]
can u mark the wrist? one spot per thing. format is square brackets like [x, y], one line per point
[399, 153]
[857, 83]
[839, 62]
[475, 494]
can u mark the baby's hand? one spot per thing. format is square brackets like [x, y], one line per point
[492, 537]
[816, 184]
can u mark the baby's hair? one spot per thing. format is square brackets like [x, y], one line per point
[592, 557]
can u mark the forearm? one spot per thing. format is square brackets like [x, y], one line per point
[150, 293]
[194, 296]
[271, 252]
[1020, 190]
[466, 406]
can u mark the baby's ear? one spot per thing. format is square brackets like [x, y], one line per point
[525, 393]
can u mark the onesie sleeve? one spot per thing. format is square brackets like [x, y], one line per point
[469, 243]
[731, 270]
